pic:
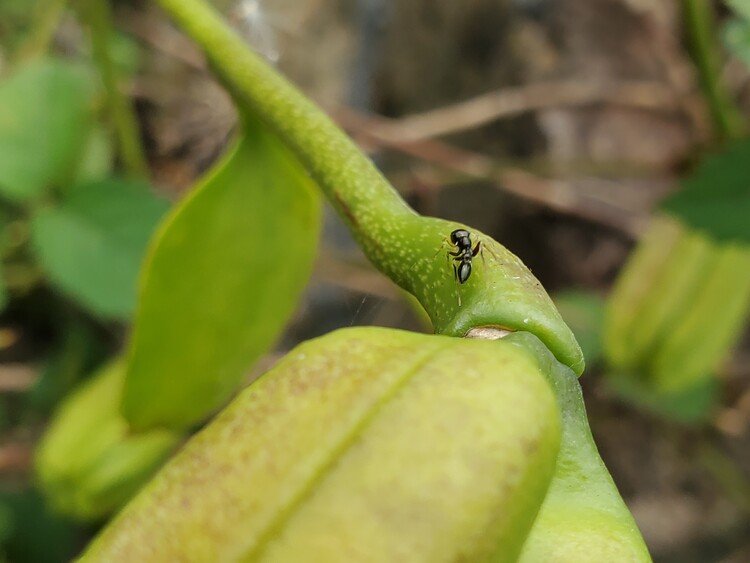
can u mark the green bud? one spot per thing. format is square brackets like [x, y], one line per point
[710, 325]
[675, 312]
[366, 444]
[383, 445]
[88, 464]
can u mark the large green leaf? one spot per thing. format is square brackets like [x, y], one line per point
[716, 198]
[222, 279]
[93, 244]
[45, 114]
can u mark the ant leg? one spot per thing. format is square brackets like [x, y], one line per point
[458, 286]
[448, 258]
[452, 255]
[477, 248]
[442, 245]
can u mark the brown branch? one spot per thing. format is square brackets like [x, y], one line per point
[510, 102]
[411, 135]
[16, 378]
[592, 199]
[15, 457]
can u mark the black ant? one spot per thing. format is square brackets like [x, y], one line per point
[462, 257]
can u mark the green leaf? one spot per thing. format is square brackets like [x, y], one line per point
[740, 7]
[97, 157]
[716, 198]
[30, 520]
[736, 35]
[125, 52]
[690, 404]
[583, 312]
[93, 244]
[221, 281]
[45, 114]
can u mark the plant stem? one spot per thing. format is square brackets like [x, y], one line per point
[700, 24]
[726, 472]
[349, 179]
[98, 15]
[408, 248]
[46, 19]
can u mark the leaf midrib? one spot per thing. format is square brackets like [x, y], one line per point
[278, 523]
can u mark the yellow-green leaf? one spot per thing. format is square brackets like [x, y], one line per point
[221, 280]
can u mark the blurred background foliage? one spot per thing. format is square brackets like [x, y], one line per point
[604, 142]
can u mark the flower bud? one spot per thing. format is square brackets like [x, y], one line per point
[366, 444]
[88, 463]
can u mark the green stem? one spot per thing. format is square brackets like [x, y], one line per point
[98, 15]
[349, 179]
[700, 24]
[726, 473]
[408, 248]
[46, 19]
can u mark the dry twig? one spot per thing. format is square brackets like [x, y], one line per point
[510, 102]
[592, 199]
[15, 457]
[16, 378]
[412, 135]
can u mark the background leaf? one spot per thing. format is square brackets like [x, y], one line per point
[716, 198]
[221, 282]
[88, 475]
[737, 38]
[27, 519]
[45, 115]
[690, 404]
[93, 244]
[740, 7]
[583, 312]
[97, 158]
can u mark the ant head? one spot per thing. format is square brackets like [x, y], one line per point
[458, 234]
